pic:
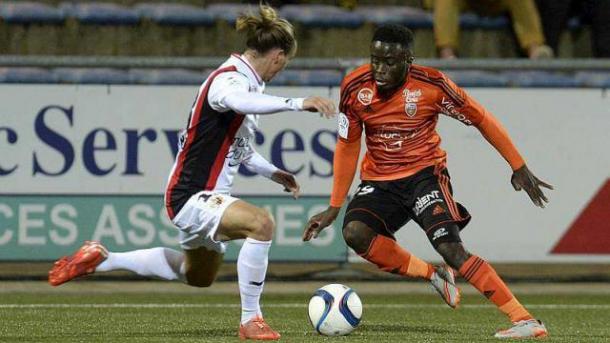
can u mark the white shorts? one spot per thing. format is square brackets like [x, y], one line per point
[199, 218]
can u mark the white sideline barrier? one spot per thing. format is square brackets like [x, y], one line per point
[562, 133]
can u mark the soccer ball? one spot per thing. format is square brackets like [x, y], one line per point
[335, 310]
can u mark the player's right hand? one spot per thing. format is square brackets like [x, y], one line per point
[324, 106]
[319, 222]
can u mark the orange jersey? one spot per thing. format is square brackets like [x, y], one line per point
[400, 128]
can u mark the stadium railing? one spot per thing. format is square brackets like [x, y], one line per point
[556, 73]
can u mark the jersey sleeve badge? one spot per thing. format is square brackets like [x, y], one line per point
[343, 125]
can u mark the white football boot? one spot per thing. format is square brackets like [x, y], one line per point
[531, 328]
[443, 281]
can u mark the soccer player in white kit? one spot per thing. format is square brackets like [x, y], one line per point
[218, 139]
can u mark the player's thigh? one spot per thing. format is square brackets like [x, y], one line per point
[199, 219]
[201, 266]
[435, 210]
[374, 206]
[242, 220]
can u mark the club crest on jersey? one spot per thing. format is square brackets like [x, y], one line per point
[411, 109]
[365, 96]
[411, 99]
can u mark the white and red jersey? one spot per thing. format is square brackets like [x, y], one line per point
[219, 135]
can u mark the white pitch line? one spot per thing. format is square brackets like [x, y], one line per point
[298, 305]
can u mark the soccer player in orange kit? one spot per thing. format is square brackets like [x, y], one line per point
[404, 174]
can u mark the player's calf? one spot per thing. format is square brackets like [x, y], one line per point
[201, 266]
[453, 253]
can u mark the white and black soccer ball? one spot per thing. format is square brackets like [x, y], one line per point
[335, 310]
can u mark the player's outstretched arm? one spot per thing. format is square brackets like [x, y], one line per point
[319, 222]
[524, 179]
[325, 107]
[497, 136]
[257, 103]
[288, 181]
[230, 91]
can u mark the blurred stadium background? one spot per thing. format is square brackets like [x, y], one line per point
[94, 93]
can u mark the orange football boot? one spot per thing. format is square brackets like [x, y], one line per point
[257, 329]
[83, 262]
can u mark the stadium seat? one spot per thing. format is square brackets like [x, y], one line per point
[477, 78]
[26, 75]
[229, 11]
[293, 77]
[596, 79]
[540, 79]
[574, 23]
[175, 14]
[168, 76]
[100, 13]
[413, 18]
[473, 21]
[28, 12]
[323, 16]
[92, 76]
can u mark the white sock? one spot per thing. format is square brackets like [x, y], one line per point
[251, 270]
[164, 263]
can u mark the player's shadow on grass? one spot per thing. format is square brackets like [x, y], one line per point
[402, 328]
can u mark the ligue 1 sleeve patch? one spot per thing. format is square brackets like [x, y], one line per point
[343, 126]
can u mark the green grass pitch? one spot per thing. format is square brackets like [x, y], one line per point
[160, 317]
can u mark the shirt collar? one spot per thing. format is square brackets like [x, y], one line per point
[247, 67]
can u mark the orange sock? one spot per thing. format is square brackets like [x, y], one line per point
[390, 257]
[483, 277]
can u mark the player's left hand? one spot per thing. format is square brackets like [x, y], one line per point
[523, 178]
[288, 181]
[324, 106]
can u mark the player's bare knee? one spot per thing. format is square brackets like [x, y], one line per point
[357, 236]
[263, 226]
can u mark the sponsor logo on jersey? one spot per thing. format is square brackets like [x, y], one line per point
[392, 137]
[365, 96]
[343, 123]
[239, 151]
[439, 233]
[411, 96]
[423, 202]
[411, 99]
[449, 109]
